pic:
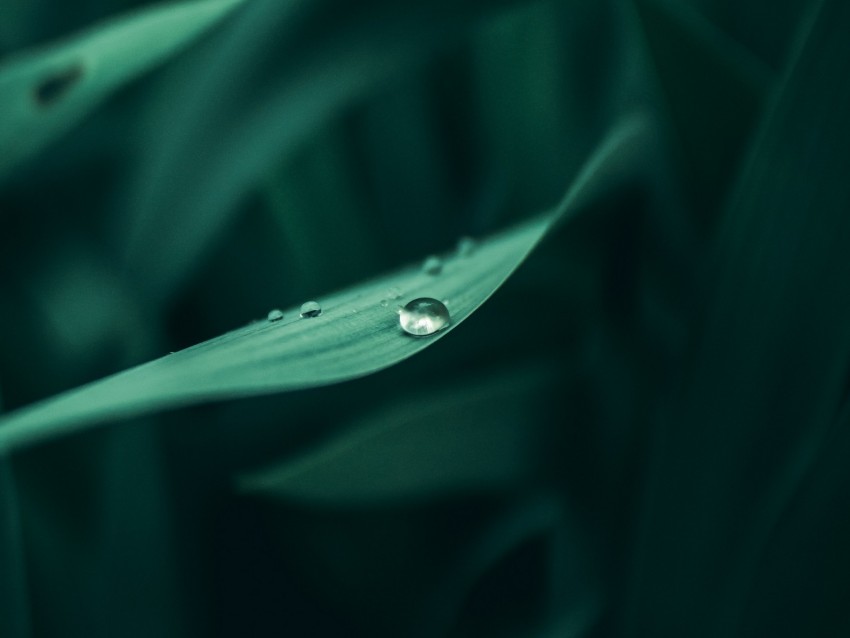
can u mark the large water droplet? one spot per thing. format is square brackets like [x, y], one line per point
[275, 315]
[423, 316]
[466, 246]
[310, 309]
[433, 265]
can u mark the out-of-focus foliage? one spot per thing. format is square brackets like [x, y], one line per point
[46, 92]
[643, 432]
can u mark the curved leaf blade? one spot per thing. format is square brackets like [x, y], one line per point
[414, 448]
[354, 336]
[769, 370]
[45, 92]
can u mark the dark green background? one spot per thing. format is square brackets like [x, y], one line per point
[674, 359]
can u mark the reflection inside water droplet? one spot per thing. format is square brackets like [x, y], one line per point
[433, 265]
[310, 309]
[275, 315]
[424, 316]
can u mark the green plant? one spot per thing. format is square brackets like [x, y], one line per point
[640, 426]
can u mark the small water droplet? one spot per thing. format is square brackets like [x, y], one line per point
[433, 265]
[394, 292]
[310, 309]
[275, 315]
[384, 303]
[466, 246]
[423, 316]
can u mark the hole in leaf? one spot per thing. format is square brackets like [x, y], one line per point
[53, 88]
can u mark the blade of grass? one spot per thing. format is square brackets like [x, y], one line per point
[468, 438]
[571, 595]
[189, 183]
[354, 336]
[136, 528]
[14, 598]
[699, 67]
[771, 366]
[45, 92]
[322, 184]
[807, 557]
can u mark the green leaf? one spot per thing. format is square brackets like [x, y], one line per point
[770, 368]
[354, 336]
[570, 599]
[189, 185]
[462, 438]
[45, 92]
[806, 556]
[135, 537]
[699, 67]
[14, 604]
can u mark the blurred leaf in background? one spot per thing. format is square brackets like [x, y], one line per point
[643, 431]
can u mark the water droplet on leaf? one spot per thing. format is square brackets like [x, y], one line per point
[275, 315]
[433, 265]
[394, 292]
[423, 316]
[384, 303]
[310, 309]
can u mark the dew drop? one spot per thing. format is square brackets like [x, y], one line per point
[466, 246]
[433, 265]
[394, 293]
[384, 303]
[310, 309]
[275, 315]
[423, 316]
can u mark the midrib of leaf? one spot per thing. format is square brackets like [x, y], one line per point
[355, 335]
